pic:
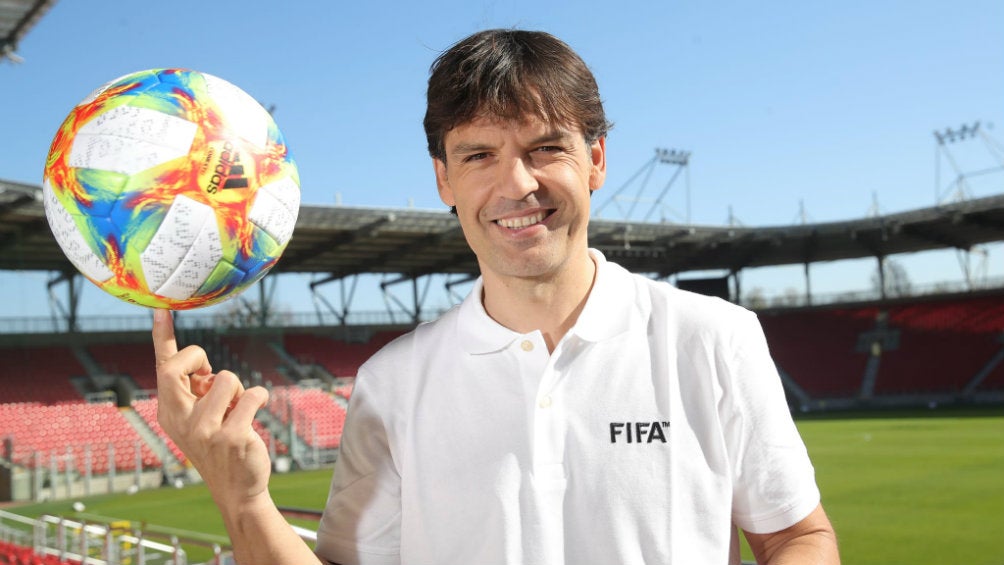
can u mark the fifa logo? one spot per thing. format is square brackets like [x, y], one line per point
[638, 432]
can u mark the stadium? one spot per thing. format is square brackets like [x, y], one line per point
[907, 383]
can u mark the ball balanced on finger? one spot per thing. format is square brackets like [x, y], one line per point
[171, 188]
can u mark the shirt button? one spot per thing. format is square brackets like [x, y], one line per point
[527, 345]
[545, 402]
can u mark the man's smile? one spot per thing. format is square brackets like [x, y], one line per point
[523, 221]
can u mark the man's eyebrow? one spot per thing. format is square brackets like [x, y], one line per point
[556, 135]
[552, 136]
[466, 148]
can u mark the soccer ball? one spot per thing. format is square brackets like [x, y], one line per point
[171, 188]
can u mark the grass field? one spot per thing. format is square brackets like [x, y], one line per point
[913, 489]
[900, 488]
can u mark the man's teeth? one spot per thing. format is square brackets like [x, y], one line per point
[521, 222]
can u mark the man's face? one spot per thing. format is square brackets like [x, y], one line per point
[521, 190]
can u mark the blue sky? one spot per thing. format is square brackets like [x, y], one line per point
[828, 107]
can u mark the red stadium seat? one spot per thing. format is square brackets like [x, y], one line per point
[64, 433]
[317, 417]
[939, 346]
[818, 348]
[340, 358]
[132, 359]
[39, 374]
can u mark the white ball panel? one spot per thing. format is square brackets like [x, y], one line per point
[69, 238]
[244, 114]
[203, 256]
[275, 209]
[181, 229]
[129, 140]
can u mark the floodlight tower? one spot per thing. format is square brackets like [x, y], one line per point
[958, 188]
[676, 157]
[681, 159]
[943, 139]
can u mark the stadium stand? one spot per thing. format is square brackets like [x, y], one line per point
[147, 409]
[943, 345]
[39, 374]
[59, 435]
[819, 347]
[132, 359]
[967, 315]
[940, 347]
[933, 362]
[313, 413]
[257, 353]
[339, 358]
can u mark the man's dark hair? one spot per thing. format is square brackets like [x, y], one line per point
[511, 75]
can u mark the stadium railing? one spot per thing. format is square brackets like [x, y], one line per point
[198, 320]
[97, 542]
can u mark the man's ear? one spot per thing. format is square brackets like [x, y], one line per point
[598, 170]
[443, 183]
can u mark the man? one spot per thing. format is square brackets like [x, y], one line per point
[566, 412]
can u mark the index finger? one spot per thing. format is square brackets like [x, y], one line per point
[165, 345]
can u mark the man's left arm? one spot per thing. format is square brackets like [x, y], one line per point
[810, 541]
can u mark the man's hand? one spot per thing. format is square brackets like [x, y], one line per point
[209, 416]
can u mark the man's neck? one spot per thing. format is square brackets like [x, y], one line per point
[551, 305]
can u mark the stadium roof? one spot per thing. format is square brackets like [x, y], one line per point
[344, 241]
[17, 17]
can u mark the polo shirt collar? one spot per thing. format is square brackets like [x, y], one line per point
[477, 332]
[611, 305]
[607, 312]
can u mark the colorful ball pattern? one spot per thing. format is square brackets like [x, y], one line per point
[171, 188]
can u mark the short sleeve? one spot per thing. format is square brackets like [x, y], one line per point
[774, 483]
[361, 524]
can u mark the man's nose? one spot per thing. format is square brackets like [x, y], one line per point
[517, 179]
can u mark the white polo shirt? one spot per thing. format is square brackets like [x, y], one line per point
[656, 424]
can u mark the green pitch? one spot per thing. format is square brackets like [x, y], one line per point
[913, 489]
[901, 489]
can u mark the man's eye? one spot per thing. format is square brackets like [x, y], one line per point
[475, 157]
[548, 148]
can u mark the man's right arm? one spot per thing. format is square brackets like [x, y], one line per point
[209, 417]
[811, 541]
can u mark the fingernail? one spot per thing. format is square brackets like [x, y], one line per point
[159, 315]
